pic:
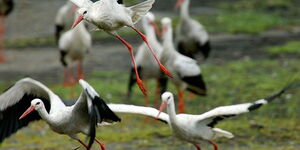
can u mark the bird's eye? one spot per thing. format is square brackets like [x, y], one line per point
[169, 97]
[38, 103]
[84, 12]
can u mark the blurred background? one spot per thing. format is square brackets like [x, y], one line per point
[255, 52]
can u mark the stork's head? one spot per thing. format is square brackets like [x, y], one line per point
[166, 98]
[179, 3]
[83, 14]
[149, 21]
[166, 25]
[36, 104]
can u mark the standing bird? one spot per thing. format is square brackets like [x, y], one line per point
[82, 117]
[64, 19]
[191, 36]
[146, 65]
[185, 71]
[73, 46]
[196, 129]
[6, 6]
[110, 16]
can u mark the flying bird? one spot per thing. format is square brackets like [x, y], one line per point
[73, 46]
[146, 65]
[191, 36]
[6, 6]
[185, 70]
[110, 16]
[64, 18]
[41, 103]
[196, 129]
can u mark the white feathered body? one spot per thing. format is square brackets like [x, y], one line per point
[110, 16]
[179, 65]
[76, 43]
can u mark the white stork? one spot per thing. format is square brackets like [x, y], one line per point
[64, 19]
[6, 6]
[191, 36]
[185, 71]
[146, 65]
[73, 46]
[110, 16]
[196, 129]
[82, 117]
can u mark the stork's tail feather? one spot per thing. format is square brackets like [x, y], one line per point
[221, 133]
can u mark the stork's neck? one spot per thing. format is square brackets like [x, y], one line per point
[184, 9]
[150, 32]
[168, 45]
[44, 115]
[171, 111]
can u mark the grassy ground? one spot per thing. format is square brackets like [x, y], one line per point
[230, 83]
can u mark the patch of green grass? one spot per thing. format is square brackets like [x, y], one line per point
[288, 48]
[231, 83]
[29, 42]
[249, 22]
[259, 5]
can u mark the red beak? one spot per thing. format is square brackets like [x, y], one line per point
[157, 31]
[161, 108]
[28, 111]
[78, 20]
[164, 29]
[178, 3]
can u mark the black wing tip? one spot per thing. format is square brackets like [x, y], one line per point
[255, 106]
[105, 111]
[290, 86]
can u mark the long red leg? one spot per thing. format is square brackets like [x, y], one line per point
[102, 145]
[197, 146]
[71, 78]
[66, 76]
[180, 100]
[138, 80]
[83, 144]
[80, 70]
[2, 31]
[163, 68]
[214, 144]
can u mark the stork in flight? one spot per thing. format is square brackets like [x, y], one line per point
[191, 36]
[110, 16]
[185, 70]
[41, 103]
[6, 6]
[73, 46]
[64, 18]
[196, 129]
[146, 65]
